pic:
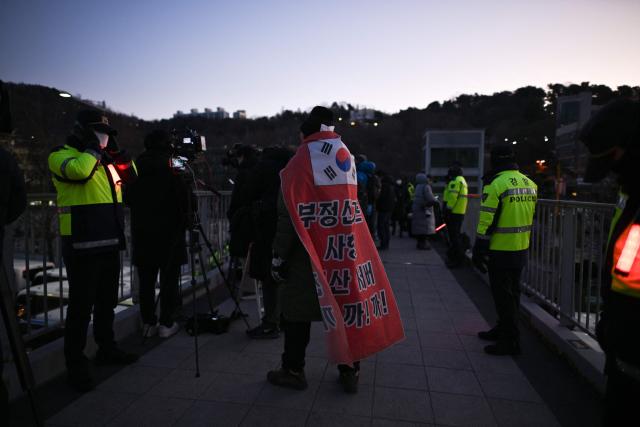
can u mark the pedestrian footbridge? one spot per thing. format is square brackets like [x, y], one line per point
[438, 376]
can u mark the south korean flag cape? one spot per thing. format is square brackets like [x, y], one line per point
[358, 307]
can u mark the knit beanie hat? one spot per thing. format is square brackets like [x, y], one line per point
[319, 116]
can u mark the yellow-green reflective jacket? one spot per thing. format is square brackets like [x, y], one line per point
[506, 212]
[89, 199]
[620, 205]
[411, 189]
[455, 195]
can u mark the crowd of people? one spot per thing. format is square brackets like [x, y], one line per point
[271, 226]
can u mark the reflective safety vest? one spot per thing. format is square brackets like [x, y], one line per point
[625, 270]
[411, 189]
[89, 199]
[455, 195]
[506, 212]
[620, 205]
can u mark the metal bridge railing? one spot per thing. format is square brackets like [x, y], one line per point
[566, 258]
[40, 283]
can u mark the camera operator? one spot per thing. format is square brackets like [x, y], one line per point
[158, 199]
[262, 189]
[239, 212]
[13, 201]
[88, 172]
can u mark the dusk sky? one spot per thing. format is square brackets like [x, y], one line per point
[151, 58]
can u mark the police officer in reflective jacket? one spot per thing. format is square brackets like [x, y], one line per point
[502, 239]
[88, 172]
[612, 137]
[454, 208]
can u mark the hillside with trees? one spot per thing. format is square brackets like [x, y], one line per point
[42, 120]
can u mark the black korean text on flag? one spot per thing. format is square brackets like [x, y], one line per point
[326, 148]
[330, 172]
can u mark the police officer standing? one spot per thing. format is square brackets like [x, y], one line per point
[613, 138]
[502, 240]
[455, 207]
[88, 172]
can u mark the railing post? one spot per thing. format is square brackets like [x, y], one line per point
[567, 266]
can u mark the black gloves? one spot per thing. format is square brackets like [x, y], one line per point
[279, 269]
[480, 256]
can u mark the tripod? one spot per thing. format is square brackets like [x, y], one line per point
[23, 366]
[195, 230]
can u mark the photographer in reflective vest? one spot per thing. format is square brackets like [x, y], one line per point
[502, 241]
[88, 172]
[613, 138]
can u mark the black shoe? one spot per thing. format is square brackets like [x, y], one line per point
[80, 379]
[491, 335]
[503, 348]
[287, 378]
[452, 264]
[264, 332]
[115, 356]
[349, 381]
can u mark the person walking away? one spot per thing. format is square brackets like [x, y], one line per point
[612, 137]
[422, 218]
[502, 240]
[399, 216]
[88, 173]
[158, 201]
[455, 207]
[262, 188]
[385, 207]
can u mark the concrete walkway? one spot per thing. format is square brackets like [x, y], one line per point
[437, 376]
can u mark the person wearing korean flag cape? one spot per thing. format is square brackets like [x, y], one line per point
[326, 261]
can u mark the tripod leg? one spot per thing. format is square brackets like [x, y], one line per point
[206, 281]
[23, 366]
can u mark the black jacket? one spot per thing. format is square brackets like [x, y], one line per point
[13, 197]
[262, 190]
[158, 201]
[387, 198]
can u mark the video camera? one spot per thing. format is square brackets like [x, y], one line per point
[186, 147]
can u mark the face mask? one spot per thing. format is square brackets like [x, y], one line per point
[103, 138]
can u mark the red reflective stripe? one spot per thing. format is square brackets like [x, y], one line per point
[630, 250]
[441, 226]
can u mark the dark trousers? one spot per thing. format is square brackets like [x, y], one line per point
[93, 286]
[271, 302]
[454, 227]
[296, 339]
[384, 232]
[505, 288]
[169, 276]
[620, 399]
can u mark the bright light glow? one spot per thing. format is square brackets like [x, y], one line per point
[64, 95]
[375, 124]
[546, 139]
[514, 142]
[339, 119]
[630, 250]
[506, 139]
[353, 123]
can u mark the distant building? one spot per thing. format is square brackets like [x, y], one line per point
[572, 112]
[445, 147]
[221, 113]
[178, 114]
[194, 112]
[240, 114]
[362, 115]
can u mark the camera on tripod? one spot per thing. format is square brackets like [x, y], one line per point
[186, 147]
